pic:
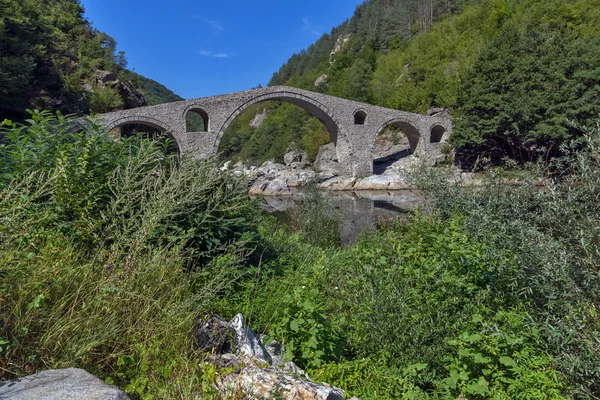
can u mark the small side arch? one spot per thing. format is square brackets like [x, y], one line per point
[196, 119]
[360, 117]
[408, 127]
[437, 133]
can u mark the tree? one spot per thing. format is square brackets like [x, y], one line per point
[525, 89]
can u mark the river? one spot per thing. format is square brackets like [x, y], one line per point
[356, 211]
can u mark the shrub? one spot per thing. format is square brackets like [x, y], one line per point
[554, 238]
[104, 247]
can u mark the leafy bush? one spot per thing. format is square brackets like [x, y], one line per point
[409, 289]
[372, 378]
[104, 247]
[554, 239]
[525, 88]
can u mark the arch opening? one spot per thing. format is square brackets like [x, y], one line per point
[360, 117]
[147, 131]
[266, 128]
[196, 120]
[437, 134]
[394, 145]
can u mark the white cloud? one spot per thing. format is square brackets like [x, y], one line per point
[216, 25]
[206, 53]
[309, 27]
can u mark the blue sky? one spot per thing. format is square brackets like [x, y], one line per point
[202, 48]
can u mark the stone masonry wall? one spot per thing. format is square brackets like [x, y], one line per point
[354, 143]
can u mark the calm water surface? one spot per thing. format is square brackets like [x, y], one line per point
[357, 211]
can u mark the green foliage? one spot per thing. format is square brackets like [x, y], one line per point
[411, 286]
[286, 125]
[368, 378]
[497, 363]
[419, 310]
[526, 87]
[306, 332]
[110, 250]
[354, 71]
[514, 72]
[553, 235]
[154, 92]
[105, 99]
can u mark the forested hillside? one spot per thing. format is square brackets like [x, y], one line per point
[517, 74]
[51, 57]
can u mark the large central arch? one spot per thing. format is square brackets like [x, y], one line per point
[312, 106]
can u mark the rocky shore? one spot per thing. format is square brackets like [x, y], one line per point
[276, 179]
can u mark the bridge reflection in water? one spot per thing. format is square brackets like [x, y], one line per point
[357, 211]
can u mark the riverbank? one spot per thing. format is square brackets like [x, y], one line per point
[285, 179]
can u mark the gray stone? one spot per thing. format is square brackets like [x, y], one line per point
[321, 80]
[295, 370]
[259, 118]
[276, 186]
[388, 181]
[295, 159]
[213, 335]
[105, 76]
[256, 374]
[275, 349]
[270, 167]
[435, 110]
[60, 384]
[259, 185]
[226, 166]
[254, 382]
[354, 138]
[326, 161]
[131, 97]
[338, 183]
[339, 45]
[246, 343]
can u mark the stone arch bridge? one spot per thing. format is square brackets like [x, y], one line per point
[353, 126]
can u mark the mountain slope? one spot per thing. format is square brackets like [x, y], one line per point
[408, 55]
[51, 57]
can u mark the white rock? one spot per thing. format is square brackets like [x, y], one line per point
[226, 166]
[246, 343]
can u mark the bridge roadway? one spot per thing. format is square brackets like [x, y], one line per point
[353, 126]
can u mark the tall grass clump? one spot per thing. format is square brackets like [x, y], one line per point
[109, 251]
